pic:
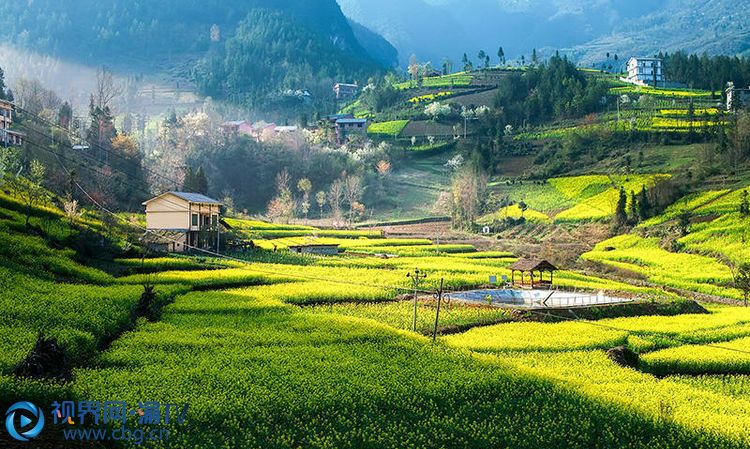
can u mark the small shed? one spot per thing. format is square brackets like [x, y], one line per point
[316, 249]
[529, 269]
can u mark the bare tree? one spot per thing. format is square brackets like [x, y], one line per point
[320, 198]
[468, 190]
[106, 89]
[353, 192]
[335, 196]
[305, 187]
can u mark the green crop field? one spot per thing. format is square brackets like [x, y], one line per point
[387, 129]
[644, 256]
[573, 199]
[515, 212]
[318, 351]
[461, 79]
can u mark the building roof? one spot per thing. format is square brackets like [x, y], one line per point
[234, 123]
[335, 117]
[189, 197]
[533, 265]
[7, 103]
[349, 121]
[638, 58]
[346, 85]
[285, 129]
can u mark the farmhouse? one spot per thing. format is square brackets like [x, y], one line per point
[8, 137]
[645, 71]
[177, 221]
[345, 91]
[316, 249]
[737, 98]
[238, 127]
[527, 269]
[346, 127]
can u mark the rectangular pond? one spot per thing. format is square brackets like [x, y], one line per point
[536, 299]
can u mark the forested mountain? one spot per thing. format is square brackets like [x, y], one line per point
[697, 26]
[308, 41]
[434, 29]
[272, 60]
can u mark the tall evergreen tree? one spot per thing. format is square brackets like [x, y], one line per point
[633, 216]
[644, 205]
[621, 214]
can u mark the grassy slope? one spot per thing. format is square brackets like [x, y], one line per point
[258, 371]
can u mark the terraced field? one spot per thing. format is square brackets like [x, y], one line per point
[574, 199]
[317, 351]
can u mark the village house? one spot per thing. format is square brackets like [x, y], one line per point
[8, 137]
[737, 97]
[333, 117]
[345, 91]
[346, 127]
[178, 221]
[645, 71]
[239, 127]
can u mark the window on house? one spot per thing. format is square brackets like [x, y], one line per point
[194, 220]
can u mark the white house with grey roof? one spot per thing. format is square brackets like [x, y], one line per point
[178, 221]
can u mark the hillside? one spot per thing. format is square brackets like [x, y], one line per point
[714, 27]
[434, 29]
[144, 37]
[339, 352]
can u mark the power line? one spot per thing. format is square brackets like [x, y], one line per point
[203, 250]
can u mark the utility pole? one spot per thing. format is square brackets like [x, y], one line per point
[416, 278]
[437, 313]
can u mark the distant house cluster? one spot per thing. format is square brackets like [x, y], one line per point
[7, 136]
[344, 126]
[645, 71]
[260, 131]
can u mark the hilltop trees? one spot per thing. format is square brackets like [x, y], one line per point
[553, 90]
[501, 55]
[706, 72]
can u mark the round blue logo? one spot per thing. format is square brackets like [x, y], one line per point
[31, 418]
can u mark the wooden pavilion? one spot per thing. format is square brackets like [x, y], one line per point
[528, 269]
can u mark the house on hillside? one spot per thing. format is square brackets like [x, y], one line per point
[238, 127]
[737, 97]
[346, 127]
[645, 71]
[7, 136]
[178, 221]
[333, 117]
[345, 91]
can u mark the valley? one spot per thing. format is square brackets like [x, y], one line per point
[415, 224]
